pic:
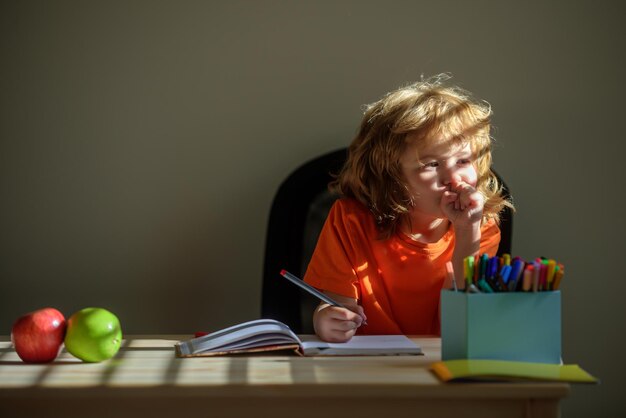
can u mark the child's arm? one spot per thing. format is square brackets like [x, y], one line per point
[335, 324]
[463, 205]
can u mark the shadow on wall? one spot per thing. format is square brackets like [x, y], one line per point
[194, 278]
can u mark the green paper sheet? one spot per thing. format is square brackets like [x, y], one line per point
[451, 370]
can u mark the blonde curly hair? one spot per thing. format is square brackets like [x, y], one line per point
[424, 110]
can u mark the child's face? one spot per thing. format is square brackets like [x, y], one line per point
[440, 163]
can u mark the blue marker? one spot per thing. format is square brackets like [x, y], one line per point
[506, 273]
[503, 277]
[516, 273]
[492, 268]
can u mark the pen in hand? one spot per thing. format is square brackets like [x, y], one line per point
[313, 291]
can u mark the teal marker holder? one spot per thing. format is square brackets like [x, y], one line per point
[515, 326]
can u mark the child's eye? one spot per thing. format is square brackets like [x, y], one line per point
[432, 164]
[464, 161]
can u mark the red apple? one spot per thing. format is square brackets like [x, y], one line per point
[37, 336]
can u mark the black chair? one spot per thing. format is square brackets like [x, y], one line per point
[296, 218]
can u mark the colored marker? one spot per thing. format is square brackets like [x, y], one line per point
[503, 277]
[536, 276]
[473, 289]
[492, 272]
[468, 267]
[558, 276]
[550, 273]
[476, 274]
[516, 272]
[484, 286]
[528, 278]
[543, 271]
[492, 267]
[484, 260]
[493, 283]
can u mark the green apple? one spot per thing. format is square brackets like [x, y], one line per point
[93, 335]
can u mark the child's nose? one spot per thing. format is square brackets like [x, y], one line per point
[449, 176]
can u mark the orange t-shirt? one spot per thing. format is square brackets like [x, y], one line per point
[396, 280]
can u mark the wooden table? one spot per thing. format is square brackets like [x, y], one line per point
[145, 379]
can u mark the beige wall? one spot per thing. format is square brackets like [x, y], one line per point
[142, 143]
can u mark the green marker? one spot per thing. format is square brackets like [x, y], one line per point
[468, 265]
[483, 266]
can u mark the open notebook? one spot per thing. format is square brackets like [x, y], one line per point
[270, 335]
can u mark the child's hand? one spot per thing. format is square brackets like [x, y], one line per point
[335, 324]
[462, 204]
